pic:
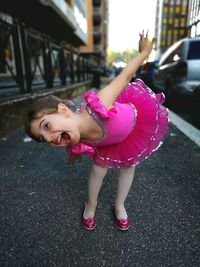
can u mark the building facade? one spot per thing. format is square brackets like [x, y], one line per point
[40, 45]
[194, 18]
[171, 22]
[97, 37]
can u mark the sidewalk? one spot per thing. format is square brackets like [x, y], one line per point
[41, 205]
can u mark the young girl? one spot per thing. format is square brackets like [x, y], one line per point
[120, 126]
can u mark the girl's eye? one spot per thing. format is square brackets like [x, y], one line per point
[46, 125]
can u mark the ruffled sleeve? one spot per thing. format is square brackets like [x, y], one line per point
[95, 104]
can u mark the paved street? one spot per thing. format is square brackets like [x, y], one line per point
[42, 198]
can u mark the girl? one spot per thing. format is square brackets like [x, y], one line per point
[120, 126]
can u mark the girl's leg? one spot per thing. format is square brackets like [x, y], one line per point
[94, 185]
[124, 183]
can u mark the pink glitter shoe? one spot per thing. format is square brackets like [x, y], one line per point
[121, 224]
[88, 223]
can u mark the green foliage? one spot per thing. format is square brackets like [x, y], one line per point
[115, 56]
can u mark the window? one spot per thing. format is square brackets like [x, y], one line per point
[183, 21]
[173, 56]
[184, 9]
[176, 22]
[194, 50]
[163, 43]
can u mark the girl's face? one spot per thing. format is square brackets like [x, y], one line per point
[57, 129]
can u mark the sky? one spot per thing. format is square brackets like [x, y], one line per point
[126, 19]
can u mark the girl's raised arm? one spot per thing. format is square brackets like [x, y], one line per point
[110, 93]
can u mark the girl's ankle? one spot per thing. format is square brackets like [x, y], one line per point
[92, 204]
[118, 206]
[89, 211]
[120, 211]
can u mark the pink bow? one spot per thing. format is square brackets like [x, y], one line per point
[80, 148]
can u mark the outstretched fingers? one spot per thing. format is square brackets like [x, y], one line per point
[143, 35]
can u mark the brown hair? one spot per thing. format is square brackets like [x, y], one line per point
[41, 107]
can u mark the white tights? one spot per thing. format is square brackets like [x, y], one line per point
[94, 185]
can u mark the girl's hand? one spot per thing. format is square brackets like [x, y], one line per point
[146, 45]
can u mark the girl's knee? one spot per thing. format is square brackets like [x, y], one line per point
[99, 170]
[127, 171]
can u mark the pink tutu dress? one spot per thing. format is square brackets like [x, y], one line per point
[133, 129]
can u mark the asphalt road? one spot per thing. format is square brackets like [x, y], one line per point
[42, 198]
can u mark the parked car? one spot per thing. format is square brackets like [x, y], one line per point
[178, 71]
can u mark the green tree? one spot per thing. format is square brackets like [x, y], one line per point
[115, 56]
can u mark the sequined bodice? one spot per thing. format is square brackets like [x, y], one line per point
[118, 126]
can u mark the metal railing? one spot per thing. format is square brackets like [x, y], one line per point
[31, 61]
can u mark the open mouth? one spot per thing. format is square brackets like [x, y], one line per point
[61, 139]
[65, 137]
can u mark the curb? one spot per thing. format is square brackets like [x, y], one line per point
[190, 131]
